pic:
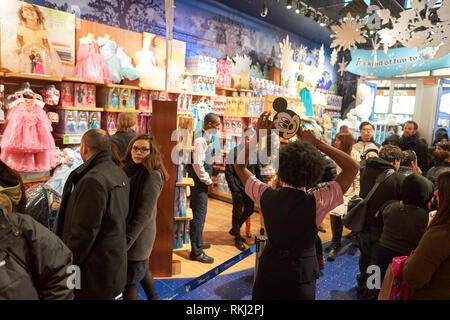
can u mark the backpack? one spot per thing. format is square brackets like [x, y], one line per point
[355, 216]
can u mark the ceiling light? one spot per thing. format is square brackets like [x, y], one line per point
[288, 4]
[264, 9]
[299, 8]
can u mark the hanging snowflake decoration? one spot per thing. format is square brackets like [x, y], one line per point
[333, 57]
[348, 33]
[315, 53]
[414, 28]
[301, 53]
[342, 66]
[286, 57]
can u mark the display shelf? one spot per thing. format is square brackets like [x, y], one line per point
[15, 75]
[198, 75]
[184, 113]
[124, 110]
[76, 108]
[189, 216]
[220, 194]
[220, 168]
[122, 86]
[245, 90]
[186, 182]
[36, 180]
[69, 138]
[226, 89]
[186, 246]
[73, 79]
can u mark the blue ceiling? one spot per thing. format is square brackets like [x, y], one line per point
[279, 16]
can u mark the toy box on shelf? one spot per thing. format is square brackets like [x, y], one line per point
[68, 122]
[108, 97]
[66, 94]
[80, 94]
[109, 122]
[127, 99]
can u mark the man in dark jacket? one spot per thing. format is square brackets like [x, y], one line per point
[410, 141]
[91, 219]
[34, 263]
[243, 206]
[408, 165]
[389, 157]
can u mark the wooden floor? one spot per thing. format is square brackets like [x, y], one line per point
[218, 223]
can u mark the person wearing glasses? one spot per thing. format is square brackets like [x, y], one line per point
[144, 166]
[366, 141]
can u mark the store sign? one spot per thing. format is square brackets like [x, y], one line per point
[396, 62]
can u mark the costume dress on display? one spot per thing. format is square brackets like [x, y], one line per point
[128, 71]
[27, 144]
[108, 49]
[90, 63]
[151, 76]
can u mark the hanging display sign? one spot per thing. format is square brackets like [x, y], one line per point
[396, 62]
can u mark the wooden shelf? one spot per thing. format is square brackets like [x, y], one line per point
[226, 89]
[220, 168]
[186, 246]
[186, 182]
[73, 79]
[125, 110]
[245, 90]
[31, 76]
[189, 216]
[76, 108]
[36, 180]
[198, 74]
[221, 194]
[184, 113]
[122, 86]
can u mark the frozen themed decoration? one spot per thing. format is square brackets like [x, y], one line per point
[363, 110]
[286, 121]
[348, 33]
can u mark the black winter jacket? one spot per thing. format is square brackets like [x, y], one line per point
[33, 261]
[233, 181]
[435, 171]
[92, 223]
[389, 189]
[419, 148]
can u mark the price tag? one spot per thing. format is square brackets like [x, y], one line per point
[72, 139]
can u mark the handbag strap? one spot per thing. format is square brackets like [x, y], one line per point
[380, 179]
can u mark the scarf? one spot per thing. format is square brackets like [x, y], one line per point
[138, 174]
[405, 141]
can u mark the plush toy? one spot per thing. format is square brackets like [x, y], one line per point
[286, 121]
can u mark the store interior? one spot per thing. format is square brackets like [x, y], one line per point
[233, 58]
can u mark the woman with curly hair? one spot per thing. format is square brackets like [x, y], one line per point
[288, 266]
[12, 190]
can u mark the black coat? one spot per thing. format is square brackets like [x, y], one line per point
[34, 260]
[91, 222]
[233, 181]
[389, 189]
[421, 150]
[435, 171]
[121, 139]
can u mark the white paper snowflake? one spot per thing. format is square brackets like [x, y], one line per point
[348, 33]
[301, 53]
[333, 57]
[342, 66]
[315, 53]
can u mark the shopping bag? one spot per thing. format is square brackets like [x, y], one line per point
[399, 290]
[355, 216]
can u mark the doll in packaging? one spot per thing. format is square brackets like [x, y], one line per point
[80, 94]
[67, 94]
[90, 98]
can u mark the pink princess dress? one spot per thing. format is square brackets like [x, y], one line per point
[27, 144]
[90, 63]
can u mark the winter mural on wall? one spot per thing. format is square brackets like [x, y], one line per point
[207, 30]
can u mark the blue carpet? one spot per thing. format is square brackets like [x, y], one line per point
[337, 281]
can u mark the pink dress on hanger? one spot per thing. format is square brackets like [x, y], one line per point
[90, 64]
[27, 144]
